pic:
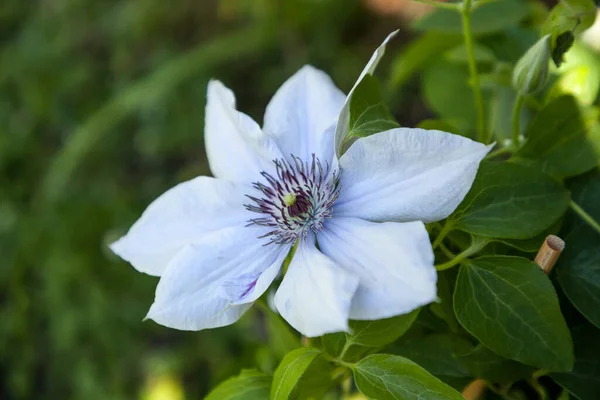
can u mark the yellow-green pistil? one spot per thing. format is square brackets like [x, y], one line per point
[289, 199]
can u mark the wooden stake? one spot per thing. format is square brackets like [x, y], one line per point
[549, 253]
[474, 390]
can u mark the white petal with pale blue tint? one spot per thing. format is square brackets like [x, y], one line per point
[213, 283]
[394, 262]
[344, 117]
[236, 148]
[315, 294]
[407, 175]
[181, 216]
[300, 113]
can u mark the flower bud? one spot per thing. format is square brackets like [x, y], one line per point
[531, 72]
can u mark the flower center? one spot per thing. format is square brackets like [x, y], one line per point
[296, 201]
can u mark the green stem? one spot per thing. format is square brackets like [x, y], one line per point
[345, 349]
[542, 394]
[447, 251]
[438, 4]
[585, 216]
[443, 233]
[516, 117]
[480, 3]
[539, 373]
[477, 244]
[499, 152]
[474, 75]
[344, 363]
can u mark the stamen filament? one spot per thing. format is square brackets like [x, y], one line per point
[297, 200]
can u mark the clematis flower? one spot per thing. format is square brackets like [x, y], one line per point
[357, 219]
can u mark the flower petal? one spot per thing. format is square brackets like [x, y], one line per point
[407, 175]
[394, 262]
[301, 112]
[236, 148]
[344, 118]
[315, 294]
[181, 216]
[213, 283]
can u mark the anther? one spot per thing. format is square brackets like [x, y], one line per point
[296, 199]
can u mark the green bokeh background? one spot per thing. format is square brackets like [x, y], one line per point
[101, 110]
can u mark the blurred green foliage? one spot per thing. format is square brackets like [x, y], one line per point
[101, 110]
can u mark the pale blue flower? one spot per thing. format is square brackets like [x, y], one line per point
[363, 251]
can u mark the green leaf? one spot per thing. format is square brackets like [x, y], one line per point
[443, 308]
[482, 54]
[441, 82]
[561, 44]
[487, 365]
[509, 45]
[533, 244]
[557, 141]
[438, 125]
[578, 271]
[248, 385]
[290, 371]
[509, 304]
[510, 201]
[491, 17]
[502, 105]
[584, 380]
[368, 112]
[381, 332]
[333, 343]
[570, 15]
[567, 19]
[578, 268]
[427, 322]
[316, 380]
[343, 124]
[418, 53]
[438, 354]
[281, 338]
[383, 377]
[586, 193]
[367, 335]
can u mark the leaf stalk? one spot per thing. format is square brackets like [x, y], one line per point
[516, 116]
[585, 216]
[477, 243]
[439, 4]
[466, 12]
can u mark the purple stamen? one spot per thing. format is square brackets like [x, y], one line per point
[296, 201]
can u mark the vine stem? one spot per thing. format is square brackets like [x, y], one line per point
[466, 11]
[439, 4]
[477, 244]
[499, 152]
[344, 363]
[446, 229]
[516, 116]
[446, 251]
[585, 216]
